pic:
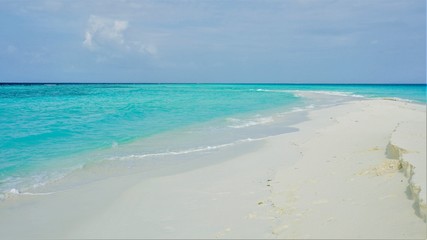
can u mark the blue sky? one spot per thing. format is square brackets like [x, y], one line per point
[300, 41]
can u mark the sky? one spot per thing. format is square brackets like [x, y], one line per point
[223, 41]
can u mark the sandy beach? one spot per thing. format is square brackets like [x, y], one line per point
[356, 170]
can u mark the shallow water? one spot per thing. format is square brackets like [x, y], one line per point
[48, 131]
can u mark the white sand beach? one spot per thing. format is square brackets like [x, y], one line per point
[356, 170]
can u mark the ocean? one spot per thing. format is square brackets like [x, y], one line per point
[51, 131]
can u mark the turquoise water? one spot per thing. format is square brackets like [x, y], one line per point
[49, 130]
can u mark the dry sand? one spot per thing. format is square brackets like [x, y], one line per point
[355, 170]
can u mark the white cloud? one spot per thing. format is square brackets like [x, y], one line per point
[104, 31]
[146, 49]
[104, 34]
[88, 40]
[151, 49]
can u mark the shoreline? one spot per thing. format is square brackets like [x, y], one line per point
[246, 125]
[268, 191]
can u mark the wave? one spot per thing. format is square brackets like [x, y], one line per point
[330, 93]
[301, 109]
[15, 192]
[396, 99]
[187, 151]
[308, 93]
[239, 123]
[20, 185]
[303, 93]
[270, 90]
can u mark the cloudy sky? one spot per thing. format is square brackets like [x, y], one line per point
[290, 41]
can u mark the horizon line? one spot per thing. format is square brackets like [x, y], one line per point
[212, 83]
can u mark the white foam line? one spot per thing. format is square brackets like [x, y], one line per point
[396, 99]
[300, 93]
[16, 192]
[331, 93]
[192, 150]
[37, 194]
[250, 122]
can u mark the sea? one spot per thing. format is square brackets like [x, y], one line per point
[51, 132]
